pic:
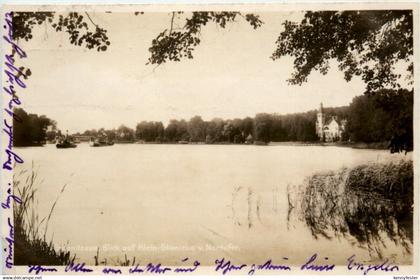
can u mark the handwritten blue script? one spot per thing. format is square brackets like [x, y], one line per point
[10, 197]
[226, 266]
[313, 266]
[39, 268]
[196, 264]
[366, 268]
[108, 270]
[10, 239]
[268, 265]
[160, 269]
[78, 267]
[13, 81]
[11, 156]
[9, 35]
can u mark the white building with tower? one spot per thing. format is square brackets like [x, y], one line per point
[329, 128]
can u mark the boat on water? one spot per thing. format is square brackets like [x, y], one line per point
[96, 142]
[65, 144]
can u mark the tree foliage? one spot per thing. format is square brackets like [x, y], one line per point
[174, 44]
[196, 129]
[124, 134]
[29, 129]
[81, 32]
[177, 131]
[368, 44]
[386, 116]
[150, 131]
[81, 29]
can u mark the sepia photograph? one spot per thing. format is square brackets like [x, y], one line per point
[218, 139]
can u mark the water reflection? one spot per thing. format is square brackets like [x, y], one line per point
[369, 205]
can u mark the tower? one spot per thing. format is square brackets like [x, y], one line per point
[320, 122]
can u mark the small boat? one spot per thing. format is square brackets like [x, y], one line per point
[65, 144]
[100, 143]
[96, 144]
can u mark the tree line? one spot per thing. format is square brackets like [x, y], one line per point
[263, 127]
[386, 116]
[30, 129]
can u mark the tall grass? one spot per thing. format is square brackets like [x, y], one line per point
[31, 246]
[366, 204]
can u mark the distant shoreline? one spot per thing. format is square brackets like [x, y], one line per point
[374, 146]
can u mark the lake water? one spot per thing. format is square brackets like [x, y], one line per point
[167, 202]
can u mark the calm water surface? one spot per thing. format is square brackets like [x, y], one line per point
[167, 202]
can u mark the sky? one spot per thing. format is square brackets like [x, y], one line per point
[231, 75]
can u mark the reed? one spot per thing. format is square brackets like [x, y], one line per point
[31, 246]
[366, 204]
